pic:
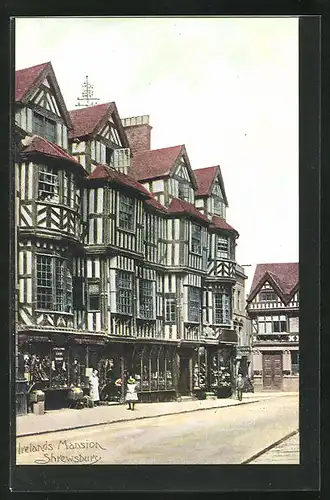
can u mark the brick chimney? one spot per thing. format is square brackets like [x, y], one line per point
[138, 133]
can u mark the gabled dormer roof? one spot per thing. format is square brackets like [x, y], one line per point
[220, 223]
[90, 120]
[181, 207]
[28, 80]
[36, 145]
[284, 277]
[158, 163]
[206, 178]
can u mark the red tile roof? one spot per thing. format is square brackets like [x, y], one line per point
[155, 163]
[40, 145]
[178, 206]
[155, 204]
[85, 120]
[104, 172]
[220, 223]
[285, 276]
[25, 78]
[205, 178]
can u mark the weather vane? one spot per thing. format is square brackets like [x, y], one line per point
[87, 95]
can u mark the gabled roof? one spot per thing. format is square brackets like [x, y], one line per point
[155, 163]
[40, 145]
[220, 223]
[283, 276]
[108, 173]
[205, 178]
[182, 207]
[89, 120]
[27, 80]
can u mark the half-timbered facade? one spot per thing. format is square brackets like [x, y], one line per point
[273, 307]
[125, 262]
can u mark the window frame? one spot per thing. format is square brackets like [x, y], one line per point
[222, 311]
[194, 304]
[41, 127]
[129, 224]
[59, 279]
[146, 297]
[124, 292]
[222, 253]
[196, 248]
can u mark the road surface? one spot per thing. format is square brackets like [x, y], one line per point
[216, 436]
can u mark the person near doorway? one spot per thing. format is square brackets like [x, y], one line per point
[131, 393]
[94, 388]
[239, 387]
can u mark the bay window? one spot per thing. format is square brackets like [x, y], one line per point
[146, 296]
[223, 247]
[54, 284]
[196, 239]
[222, 307]
[126, 213]
[124, 288]
[194, 304]
[48, 184]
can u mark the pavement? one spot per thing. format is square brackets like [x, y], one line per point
[286, 452]
[226, 434]
[67, 419]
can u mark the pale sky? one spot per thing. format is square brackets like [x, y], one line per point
[227, 88]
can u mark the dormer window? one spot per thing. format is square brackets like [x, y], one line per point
[108, 155]
[183, 192]
[44, 127]
[219, 207]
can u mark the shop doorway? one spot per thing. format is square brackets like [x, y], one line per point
[272, 371]
[184, 380]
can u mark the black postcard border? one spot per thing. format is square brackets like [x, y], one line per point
[235, 478]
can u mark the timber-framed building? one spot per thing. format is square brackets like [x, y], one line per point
[124, 260]
[273, 307]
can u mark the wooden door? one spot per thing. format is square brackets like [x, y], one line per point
[272, 371]
[184, 376]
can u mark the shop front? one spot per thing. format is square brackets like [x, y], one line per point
[54, 363]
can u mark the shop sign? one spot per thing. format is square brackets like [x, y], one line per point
[58, 353]
[243, 351]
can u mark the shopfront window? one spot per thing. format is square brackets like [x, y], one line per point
[200, 368]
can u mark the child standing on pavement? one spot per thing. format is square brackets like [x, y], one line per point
[131, 393]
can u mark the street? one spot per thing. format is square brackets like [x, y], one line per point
[228, 435]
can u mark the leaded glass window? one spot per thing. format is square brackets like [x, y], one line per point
[194, 304]
[54, 284]
[146, 297]
[126, 213]
[124, 292]
[222, 308]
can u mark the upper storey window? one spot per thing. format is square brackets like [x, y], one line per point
[268, 297]
[126, 213]
[219, 207]
[196, 239]
[48, 186]
[44, 127]
[223, 247]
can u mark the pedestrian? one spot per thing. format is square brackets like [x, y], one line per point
[131, 393]
[94, 388]
[240, 386]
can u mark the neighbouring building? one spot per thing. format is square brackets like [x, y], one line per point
[124, 260]
[273, 307]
